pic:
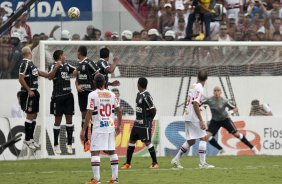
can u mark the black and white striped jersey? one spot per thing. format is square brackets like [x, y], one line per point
[86, 71]
[30, 72]
[61, 81]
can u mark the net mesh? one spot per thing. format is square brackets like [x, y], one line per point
[167, 66]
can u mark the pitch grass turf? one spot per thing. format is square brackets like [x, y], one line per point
[229, 170]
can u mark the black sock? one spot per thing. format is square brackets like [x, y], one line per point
[130, 151]
[33, 128]
[69, 133]
[214, 143]
[28, 130]
[153, 154]
[245, 141]
[56, 135]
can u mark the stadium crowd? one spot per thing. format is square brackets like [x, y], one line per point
[238, 20]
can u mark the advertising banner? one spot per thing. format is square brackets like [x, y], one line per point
[52, 10]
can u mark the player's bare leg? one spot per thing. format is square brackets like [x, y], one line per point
[202, 154]
[114, 166]
[129, 153]
[69, 129]
[95, 164]
[56, 131]
[246, 142]
[86, 142]
[152, 152]
[184, 149]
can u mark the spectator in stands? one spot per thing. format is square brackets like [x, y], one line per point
[154, 35]
[115, 36]
[136, 36]
[43, 36]
[205, 9]
[3, 13]
[107, 36]
[35, 41]
[25, 25]
[166, 20]
[187, 10]
[161, 7]
[234, 7]
[223, 34]
[151, 21]
[16, 111]
[180, 29]
[276, 36]
[231, 25]
[144, 35]
[24, 42]
[75, 37]
[179, 14]
[89, 33]
[97, 34]
[65, 35]
[5, 52]
[258, 109]
[126, 108]
[126, 35]
[277, 26]
[55, 28]
[19, 29]
[16, 56]
[238, 36]
[257, 8]
[261, 34]
[276, 8]
[273, 15]
[169, 35]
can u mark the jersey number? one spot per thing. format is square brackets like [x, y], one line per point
[105, 110]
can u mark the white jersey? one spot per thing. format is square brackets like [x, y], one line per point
[103, 104]
[195, 94]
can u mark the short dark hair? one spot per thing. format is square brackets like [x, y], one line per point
[57, 54]
[136, 33]
[115, 90]
[202, 75]
[104, 53]
[82, 50]
[142, 81]
[99, 80]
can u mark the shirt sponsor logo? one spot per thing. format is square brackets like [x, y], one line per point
[104, 95]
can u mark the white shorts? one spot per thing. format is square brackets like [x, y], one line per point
[193, 131]
[102, 141]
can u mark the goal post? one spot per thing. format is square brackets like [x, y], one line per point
[170, 67]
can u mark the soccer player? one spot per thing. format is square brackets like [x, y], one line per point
[101, 107]
[220, 118]
[105, 68]
[84, 83]
[62, 101]
[195, 126]
[29, 97]
[142, 128]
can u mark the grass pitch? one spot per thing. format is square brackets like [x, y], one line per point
[229, 170]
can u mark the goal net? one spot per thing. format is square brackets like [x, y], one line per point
[171, 68]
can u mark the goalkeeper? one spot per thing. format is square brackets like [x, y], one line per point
[220, 118]
[205, 9]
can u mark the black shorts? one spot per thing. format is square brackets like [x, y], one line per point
[141, 133]
[28, 104]
[82, 100]
[62, 105]
[228, 124]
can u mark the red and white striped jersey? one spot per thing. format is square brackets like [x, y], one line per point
[195, 94]
[103, 104]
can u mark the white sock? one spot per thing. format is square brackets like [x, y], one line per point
[184, 148]
[114, 166]
[202, 151]
[95, 163]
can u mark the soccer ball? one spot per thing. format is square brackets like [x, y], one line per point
[74, 13]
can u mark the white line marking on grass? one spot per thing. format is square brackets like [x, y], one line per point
[145, 169]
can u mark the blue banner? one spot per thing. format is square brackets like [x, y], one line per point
[52, 10]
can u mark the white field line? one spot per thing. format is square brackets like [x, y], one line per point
[142, 170]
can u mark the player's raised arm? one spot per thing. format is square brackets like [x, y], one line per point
[112, 68]
[53, 70]
[43, 74]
